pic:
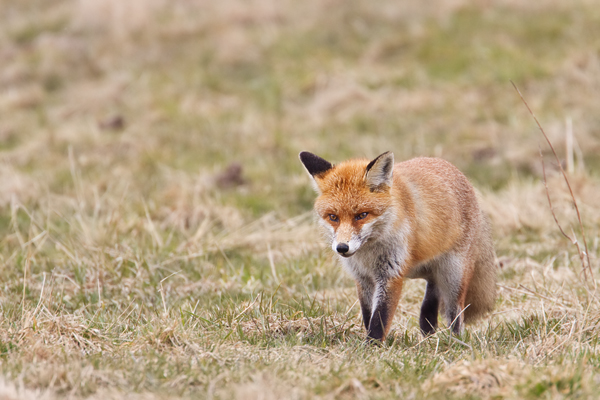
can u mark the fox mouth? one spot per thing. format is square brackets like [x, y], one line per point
[347, 255]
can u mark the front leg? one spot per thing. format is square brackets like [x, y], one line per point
[365, 289]
[385, 301]
[428, 320]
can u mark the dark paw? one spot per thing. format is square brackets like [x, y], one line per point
[428, 332]
[427, 328]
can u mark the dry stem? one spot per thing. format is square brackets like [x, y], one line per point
[583, 255]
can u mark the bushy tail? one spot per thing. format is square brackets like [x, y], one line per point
[481, 294]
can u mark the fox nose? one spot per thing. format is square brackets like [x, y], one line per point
[342, 248]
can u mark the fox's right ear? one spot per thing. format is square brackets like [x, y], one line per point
[315, 166]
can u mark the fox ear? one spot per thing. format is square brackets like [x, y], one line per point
[315, 165]
[379, 172]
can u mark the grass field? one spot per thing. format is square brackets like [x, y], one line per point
[156, 235]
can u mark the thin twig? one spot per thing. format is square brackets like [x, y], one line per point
[583, 256]
[550, 201]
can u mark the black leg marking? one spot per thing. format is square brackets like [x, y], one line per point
[365, 297]
[366, 314]
[387, 294]
[429, 310]
[455, 320]
[380, 318]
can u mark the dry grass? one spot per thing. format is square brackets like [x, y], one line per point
[156, 239]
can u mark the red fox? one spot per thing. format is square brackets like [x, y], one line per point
[416, 219]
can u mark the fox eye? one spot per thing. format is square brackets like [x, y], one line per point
[333, 218]
[360, 216]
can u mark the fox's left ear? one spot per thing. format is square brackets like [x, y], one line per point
[379, 172]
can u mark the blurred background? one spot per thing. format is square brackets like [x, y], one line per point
[150, 187]
[170, 130]
[216, 99]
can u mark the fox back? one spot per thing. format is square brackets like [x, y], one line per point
[415, 219]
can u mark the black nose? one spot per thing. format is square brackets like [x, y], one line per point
[342, 248]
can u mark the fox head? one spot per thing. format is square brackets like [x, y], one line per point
[354, 199]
